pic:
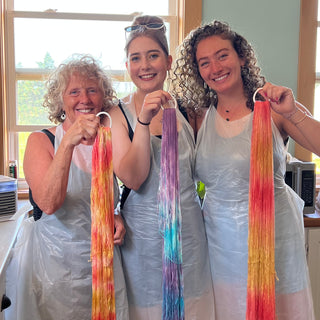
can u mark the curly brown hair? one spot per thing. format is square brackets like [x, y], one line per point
[186, 81]
[84, 65]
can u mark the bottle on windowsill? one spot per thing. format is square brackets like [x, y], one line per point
[13, 166]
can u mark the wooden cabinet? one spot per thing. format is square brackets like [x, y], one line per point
[313, 258]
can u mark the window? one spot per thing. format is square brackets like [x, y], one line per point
[316, 113]
[37, 35]
[309, 69]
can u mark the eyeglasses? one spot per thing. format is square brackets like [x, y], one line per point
[152, 26]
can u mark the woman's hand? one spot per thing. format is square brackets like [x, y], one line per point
[281, 99]
[152, 104]
[120, 230]
[83, 130]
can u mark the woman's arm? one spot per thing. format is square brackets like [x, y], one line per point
[292, 118]
[131, 160]
[47, 173]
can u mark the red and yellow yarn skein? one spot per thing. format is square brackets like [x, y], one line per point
[102, 227]
[261, 238]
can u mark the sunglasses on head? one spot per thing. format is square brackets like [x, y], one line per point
[153, 26]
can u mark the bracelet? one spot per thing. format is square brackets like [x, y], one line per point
[292, 116]
[289, 116]
[300, 120]
[143, 123]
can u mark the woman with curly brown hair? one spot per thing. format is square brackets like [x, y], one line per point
[216, 75]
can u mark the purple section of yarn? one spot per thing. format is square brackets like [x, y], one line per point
[170, 220]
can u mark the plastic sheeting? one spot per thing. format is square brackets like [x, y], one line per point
[222, 163]
[49, 276]
[141, 252]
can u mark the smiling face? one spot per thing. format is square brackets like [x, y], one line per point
[147, 64]
[82, 96]
[219, 64]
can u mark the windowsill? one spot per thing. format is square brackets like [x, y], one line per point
[23, 189]
[23, 194]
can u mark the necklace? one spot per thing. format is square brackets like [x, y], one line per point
[226, 114]
[233, 113]
[227, 111]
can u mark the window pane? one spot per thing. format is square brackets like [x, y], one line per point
[23, 137]
[34, 38]
[95, 6]
[123, 88]
[29, 103]
[316, 160]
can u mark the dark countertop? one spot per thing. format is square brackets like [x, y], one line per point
[312, 220]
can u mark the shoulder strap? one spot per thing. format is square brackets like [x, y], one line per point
[49, 134]
[126, 190]
[37, 212]
[128, 123]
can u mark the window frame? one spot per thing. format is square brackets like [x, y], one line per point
[307, 63]
[188, 16]
[15, 74]
[307, 77]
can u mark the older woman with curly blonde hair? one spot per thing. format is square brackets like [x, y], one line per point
[86, 67]
[50, 273]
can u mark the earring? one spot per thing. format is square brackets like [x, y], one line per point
[244, 70]
[115, 101]
[63, 116]
[205, 86]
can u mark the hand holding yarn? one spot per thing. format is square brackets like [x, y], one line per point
[281, 99]
[83, 130]
[152, 104]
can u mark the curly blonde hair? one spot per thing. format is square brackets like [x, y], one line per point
[85, 66]
[186, 81]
